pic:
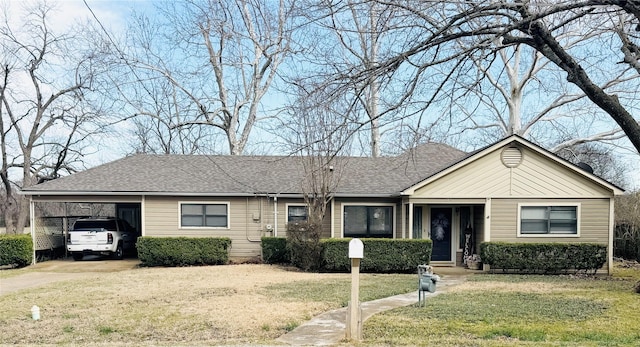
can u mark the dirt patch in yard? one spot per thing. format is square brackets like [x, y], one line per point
[173, 306]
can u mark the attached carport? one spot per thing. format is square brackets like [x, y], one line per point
[53, 214]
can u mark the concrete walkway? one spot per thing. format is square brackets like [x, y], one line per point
[330, 328]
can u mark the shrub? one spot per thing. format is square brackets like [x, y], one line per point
[380, 255]
[544, 257]
[303, 244]
[274, 250]
[182, 251]
[16, 250]
[626, 242]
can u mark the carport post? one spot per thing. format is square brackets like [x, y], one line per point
[32, 224]
[354, 314]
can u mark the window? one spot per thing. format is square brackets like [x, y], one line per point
[204, 215]
[550, 220]
[368, 221]
[297, 213]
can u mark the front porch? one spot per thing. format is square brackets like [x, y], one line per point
[456, 228]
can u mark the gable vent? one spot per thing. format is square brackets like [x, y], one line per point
[511, 156]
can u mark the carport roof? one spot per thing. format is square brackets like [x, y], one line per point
[145, 174]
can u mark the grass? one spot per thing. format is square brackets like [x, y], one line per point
[213, 305]
[337, 291]
[512, 310]
[254, 304]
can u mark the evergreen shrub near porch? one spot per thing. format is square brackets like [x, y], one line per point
[183, 251]
[380, 255]
[16, 250]
[544, 257]
[274, 250]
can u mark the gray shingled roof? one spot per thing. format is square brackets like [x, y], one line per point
[238, 175]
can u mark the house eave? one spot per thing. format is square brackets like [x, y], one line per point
[210, 194]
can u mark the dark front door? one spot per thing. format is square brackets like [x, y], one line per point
[441, 234]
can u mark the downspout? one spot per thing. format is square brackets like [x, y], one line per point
[275, 216]
[333, 217]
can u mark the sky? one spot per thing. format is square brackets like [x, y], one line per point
[114, 15]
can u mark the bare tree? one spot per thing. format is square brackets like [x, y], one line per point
[451, 32]
[43, 103]
[600, 159]
[321, 136]
[220, 57]
[359, 29]
[318, 134]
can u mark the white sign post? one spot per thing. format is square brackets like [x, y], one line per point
[354, 315]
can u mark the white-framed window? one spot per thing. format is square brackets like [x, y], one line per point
[297, 212]
[560, 220]
[204, 215]
[368, 221]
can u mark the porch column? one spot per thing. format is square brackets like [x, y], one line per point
[403, 220]
[143, 218]
[410, 220]
[487, 220]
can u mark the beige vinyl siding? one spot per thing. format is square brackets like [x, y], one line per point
[536, 176]
[593, 220]
[247, 219]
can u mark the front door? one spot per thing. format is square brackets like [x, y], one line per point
[440, 232]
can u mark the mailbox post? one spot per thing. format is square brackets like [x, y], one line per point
[354, 315]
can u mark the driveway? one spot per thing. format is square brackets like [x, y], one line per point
[62, 270]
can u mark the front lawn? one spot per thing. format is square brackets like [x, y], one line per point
[207, 305]
[512, 310]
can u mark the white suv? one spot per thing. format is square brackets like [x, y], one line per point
[108, 236]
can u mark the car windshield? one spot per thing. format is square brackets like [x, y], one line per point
[95, 224]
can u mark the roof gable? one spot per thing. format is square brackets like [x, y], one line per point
[493, 172]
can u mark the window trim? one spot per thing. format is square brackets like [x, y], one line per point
[227, 203]
[577, 205]
[364, 204]
[293, 204]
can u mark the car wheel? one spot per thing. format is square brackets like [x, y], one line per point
[77, 256]
[119, 253]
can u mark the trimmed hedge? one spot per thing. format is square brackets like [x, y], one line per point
[183, 251]
[274, 250]
[16, 250]
[544, 257]
[380, 255]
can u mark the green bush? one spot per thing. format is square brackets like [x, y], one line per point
[544, 257]
[182, 251]
[274, 250]
[303, 245]
[380, 255]
[16, 250]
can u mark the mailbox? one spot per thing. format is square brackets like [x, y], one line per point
[426, 282]
[356, 249]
